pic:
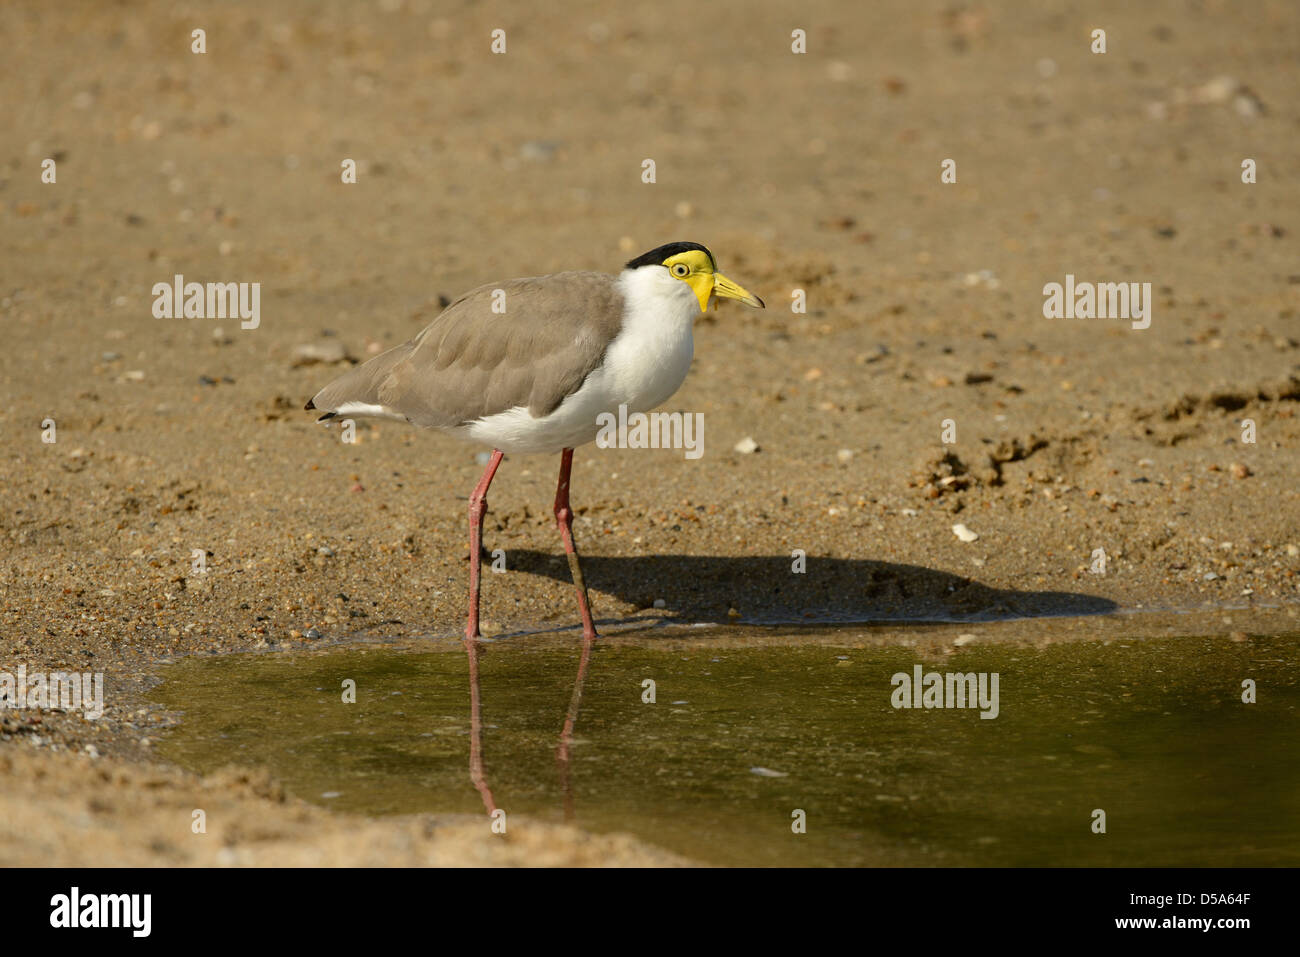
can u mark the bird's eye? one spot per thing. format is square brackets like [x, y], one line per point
[680, 269]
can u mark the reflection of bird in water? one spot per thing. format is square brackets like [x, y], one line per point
[531, 365]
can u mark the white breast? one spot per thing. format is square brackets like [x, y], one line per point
[644, 365]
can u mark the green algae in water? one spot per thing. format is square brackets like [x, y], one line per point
[1153, 732]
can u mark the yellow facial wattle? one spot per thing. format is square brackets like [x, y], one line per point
[695, 268]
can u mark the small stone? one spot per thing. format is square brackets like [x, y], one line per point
[660, 603]
[310, 353]
[768, 773]
[746, 446]
[311, 634]
[1218, 90]
[1247, 104]
[964, 533]
[539, 151]
[844, 455]
[963, 640]
[1239, 470]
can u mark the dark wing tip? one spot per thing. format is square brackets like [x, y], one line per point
[327, 416]
[311, 404]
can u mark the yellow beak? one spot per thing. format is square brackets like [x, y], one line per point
[723, 288]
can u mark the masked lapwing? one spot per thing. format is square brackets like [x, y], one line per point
[529, 365]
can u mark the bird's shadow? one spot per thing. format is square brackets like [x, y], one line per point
[769, 590]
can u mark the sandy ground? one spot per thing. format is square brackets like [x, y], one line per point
[818, 172]
[80, 812]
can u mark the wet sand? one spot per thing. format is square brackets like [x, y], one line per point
[818, 172]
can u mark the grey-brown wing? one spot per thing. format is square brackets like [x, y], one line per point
[360, 384]
[472, 362]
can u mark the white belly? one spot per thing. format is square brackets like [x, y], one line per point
[644, 365]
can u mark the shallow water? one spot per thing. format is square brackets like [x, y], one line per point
[1152, 731]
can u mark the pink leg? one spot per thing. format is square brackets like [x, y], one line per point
[564, 518]
[477, 509]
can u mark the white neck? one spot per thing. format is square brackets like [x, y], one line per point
[648, 360]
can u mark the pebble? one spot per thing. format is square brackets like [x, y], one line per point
[844, 455]
[746, 446]
[1218, 90]
[963, 640]
[964, 533]
[838, 71]
[660, 603]
[768, 773]
[310, 353]
[1239, 470]
[311, 633]
[539, 151]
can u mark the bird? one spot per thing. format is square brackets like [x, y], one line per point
[529, 365]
